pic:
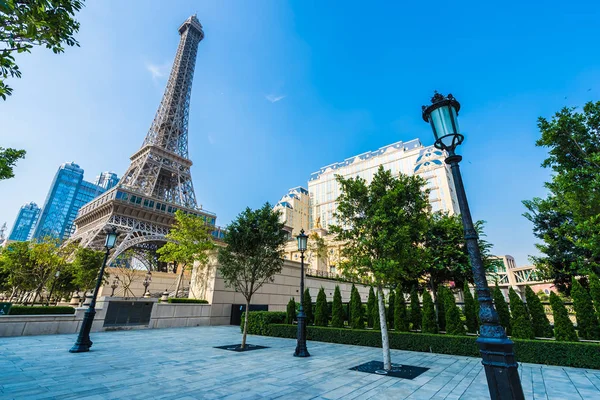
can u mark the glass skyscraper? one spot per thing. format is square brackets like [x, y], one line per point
[25, 223]
[66, 196]
[107, 180]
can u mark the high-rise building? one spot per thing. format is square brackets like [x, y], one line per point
[25, 223]
[410, 158]
[293, 208]
[67, 194]
[106, 180]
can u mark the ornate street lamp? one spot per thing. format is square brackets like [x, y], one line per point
[83, 342]
[498, 357]
[114, 286]
[146, 283]
[301, 350]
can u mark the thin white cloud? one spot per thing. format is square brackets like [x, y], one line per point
[158, 71]
[273, 98]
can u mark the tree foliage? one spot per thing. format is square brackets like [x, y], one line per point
[337, 312]
[401, 322]
[371, 308]
[454, 323]
[415, 310]
[520, 321]
[290, 312]
[356, 310]
[307, 305]
[253, 253]
[502, 309]
[28, 23]
[470, 310]
[587, 322]
[321, 310]
[567, 221]
[428, 324]
[595, 292]
[87, 267]
[390, 311]
[8, 157]
[539, 320]
[563, 327]
[441, 309]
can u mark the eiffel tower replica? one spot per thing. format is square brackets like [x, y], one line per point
[158, 181]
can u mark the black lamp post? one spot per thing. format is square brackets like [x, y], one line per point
[83, 342]
[301, 350]
[498, 357]
[146, 283]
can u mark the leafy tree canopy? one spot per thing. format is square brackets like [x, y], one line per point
[8, 160]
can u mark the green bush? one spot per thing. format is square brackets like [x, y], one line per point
[40, 310]
[520, 321]
[400, 315]
[587, 322]
[187, 301]
[290, 312]
[260, 322]
[371, 306]
[595, 292]
[415, 310]
[356, 310]
[502, 309]
[470, 316]
[321, 311]
[579, 355]
[428, 324]
[337, 312]
[308, 308]
[539, 320]
[375, 312]
[454, 323]
[441, 310]
[563, 327]
[390, 310]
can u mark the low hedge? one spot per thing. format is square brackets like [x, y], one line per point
[40, 310]
[187, 301]
[568, 354]
[260, 322]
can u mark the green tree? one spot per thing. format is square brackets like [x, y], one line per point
[429, 324]
[321, 311]
[189, 241]
[595, 292]
[541, 325]
[567, 221]
[8, 157]
[502, 309]
[17, 261]
[587, 322]
[441, 310]
[28, 23]
[391, 305]
[470, 315]
[86, 267]
[563, 327]
[253, 253]
[520, 321]
[401, 321]
[290, 312]
[337, 312]
[307, 304]
[356, 310]
[371, 307]
[454, 323]
[316, 249]
[415, 310]
[382, 224]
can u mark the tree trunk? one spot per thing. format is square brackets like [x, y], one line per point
[243, 346]
[179, 278]
[385, 341]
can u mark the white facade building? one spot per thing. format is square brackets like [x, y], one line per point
[294, 209]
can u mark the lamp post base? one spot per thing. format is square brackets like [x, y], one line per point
[501, 368]
[83, 342]
[301, 350]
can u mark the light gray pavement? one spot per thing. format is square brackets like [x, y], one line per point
[182, 364]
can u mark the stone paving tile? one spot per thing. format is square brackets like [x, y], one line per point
[182, 364]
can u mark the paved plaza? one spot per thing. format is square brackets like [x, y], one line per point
[182, 364]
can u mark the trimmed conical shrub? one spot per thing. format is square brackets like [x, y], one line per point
[520, 321]
[390, 310]
[563, 327]
[470, 316]
[321, 311]
[595, 292]
[502, 309]
[539, 320]
[441, 310]
[375, 314]
[400, 315]
[371, 306]
[428, 324]
[337, 311]
[587, 322]
[415, 309]
[308, 308]
[356, 311]
[454, 323]
[290, 312]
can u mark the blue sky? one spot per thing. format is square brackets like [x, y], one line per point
[284, 88]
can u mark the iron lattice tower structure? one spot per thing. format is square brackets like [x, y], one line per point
[158, 181]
